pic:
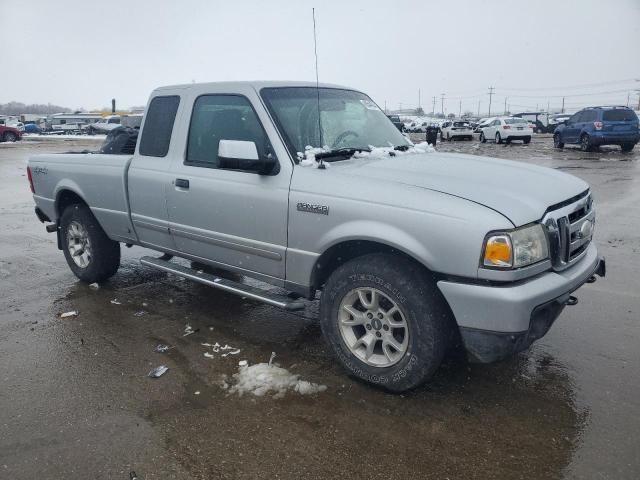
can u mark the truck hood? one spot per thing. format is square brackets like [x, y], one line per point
[519, 191]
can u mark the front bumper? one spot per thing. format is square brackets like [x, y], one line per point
[496, 321]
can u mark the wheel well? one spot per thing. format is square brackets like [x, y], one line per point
[66, 198]
[341, 253]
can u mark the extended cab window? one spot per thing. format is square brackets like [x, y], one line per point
[156, 134]
[223, 117]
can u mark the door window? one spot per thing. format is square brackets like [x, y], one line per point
[589, 116]
[223, 117]
[156, 134]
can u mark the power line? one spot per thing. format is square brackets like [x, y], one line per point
[590, 85]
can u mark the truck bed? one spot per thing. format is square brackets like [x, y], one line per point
[99, 179]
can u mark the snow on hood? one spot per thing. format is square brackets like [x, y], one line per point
[308, 158]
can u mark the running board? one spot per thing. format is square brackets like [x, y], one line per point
[223, 284]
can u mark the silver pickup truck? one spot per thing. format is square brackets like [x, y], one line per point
[312, 188]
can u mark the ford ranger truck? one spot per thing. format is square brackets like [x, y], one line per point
[312, 188]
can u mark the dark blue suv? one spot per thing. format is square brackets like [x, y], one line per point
[595, 126]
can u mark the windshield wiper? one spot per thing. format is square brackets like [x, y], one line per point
[401, 148]
[340, 153]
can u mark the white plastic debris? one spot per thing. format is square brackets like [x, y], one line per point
[139, 314]
[209, 355]
[188, 330]
[116, 302]
[73, 313]
[262, 379]
[94, 285]
[197, 392]
[162, 348]
[158, 371]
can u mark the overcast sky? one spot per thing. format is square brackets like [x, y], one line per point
[82, 54]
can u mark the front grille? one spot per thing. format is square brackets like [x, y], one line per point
[570, 229]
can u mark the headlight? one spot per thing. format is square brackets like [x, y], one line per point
[517, 248]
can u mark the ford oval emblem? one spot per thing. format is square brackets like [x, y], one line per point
[586, 229]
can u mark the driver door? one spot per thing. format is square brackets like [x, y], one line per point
[219, 212]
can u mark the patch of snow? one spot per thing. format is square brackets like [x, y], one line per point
[95, 286]
[262, 379]
[116, 302]
[308, 158]
[73, 313]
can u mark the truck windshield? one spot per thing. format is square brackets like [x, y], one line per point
[348, 119]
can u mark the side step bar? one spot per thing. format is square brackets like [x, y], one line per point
[223, 284]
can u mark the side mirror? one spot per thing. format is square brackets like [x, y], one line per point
[243, 155]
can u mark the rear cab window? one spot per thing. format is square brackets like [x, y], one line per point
[158, 126]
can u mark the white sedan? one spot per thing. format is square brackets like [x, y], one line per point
[505, 129]
[452, 129]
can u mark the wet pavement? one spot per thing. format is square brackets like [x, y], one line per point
[75, 401]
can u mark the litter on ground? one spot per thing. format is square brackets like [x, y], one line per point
[262, 379]
[116, 302]
[162, 348]
[139, 314]
[94, 285]
[73, 313]
[188, 330]
[158, 371]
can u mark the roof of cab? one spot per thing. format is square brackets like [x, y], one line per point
[257, 85]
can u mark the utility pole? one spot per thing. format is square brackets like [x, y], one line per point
[628, 96]
[491, 89]
[433, 107]
[505, 105]
[460, 110]
[562, 104]
[442, 102]
[479, 107]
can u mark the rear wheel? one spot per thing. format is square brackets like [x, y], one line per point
[527, 140]
[498, 138]
[627, 147]
[91, 255]
[385, 320]
[585, 143]
[10, 137]
[557, 141]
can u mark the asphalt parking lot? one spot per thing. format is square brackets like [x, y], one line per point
[76, 402]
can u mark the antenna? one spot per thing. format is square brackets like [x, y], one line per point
[315, 51]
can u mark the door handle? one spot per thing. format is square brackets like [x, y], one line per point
[181, 183]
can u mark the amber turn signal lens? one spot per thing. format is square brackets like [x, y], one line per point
[497, 252]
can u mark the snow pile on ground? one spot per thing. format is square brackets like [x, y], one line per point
[262, 379]
[308, 158]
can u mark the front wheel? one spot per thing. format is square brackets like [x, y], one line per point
[10, 137]
[498, 138]
[385, 320]
[91, 255]
[483, 139]
[557, 141]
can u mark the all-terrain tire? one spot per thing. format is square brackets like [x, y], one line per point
[413, 290]
[104, 258]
